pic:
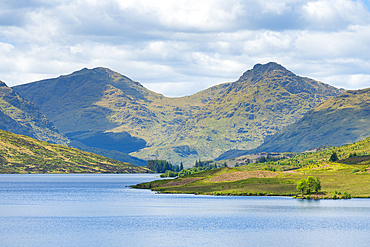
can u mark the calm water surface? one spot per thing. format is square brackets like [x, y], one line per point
[100, 210]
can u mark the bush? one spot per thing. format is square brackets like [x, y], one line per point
[354, 170]
[346, 195]
[352, 155]
[169, 173]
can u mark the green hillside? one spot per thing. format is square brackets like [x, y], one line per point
[341, 120]
[103, 108]
[23, 154]
[20, 116]
[350, 174]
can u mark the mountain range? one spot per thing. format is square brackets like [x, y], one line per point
[102, 109]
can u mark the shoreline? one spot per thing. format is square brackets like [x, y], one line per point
[248, 194]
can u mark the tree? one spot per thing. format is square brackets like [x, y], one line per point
[181, 166]
[333, 157]
[311, 182]
[176, 168]
[317, 186]
[302, 185]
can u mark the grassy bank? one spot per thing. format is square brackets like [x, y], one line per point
[335, 177]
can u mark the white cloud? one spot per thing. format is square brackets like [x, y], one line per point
[188, 45]
[186, 14]
[329, 14]
[358, 81]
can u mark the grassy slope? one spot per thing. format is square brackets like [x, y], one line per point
[334, 176]
[23, 154]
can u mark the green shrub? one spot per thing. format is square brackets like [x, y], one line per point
[354, 170]
[352, 155]
[169, 173]
[346, 195]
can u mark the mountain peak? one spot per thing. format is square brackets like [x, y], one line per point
[97, 70]
[268, 67]
[265, 70]
[102, 75]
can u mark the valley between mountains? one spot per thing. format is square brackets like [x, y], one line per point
[103, 111]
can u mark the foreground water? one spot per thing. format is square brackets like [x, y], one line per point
[99, 210]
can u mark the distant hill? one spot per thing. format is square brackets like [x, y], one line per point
[22, 117]
[99, 107]
[23, 154]
[338, 121]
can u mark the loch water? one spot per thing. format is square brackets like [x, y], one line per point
[100, 210]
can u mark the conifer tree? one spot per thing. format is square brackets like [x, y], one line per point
[333, 157]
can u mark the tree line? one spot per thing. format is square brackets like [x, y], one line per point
[161, 166]
[169, 170]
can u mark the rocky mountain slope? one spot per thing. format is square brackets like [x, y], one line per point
[338, 121]
[103, 108]
[21, 117]
[23, 154]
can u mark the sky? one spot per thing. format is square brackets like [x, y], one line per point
[179, 47]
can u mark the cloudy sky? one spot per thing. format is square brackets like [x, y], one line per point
[178, 47]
